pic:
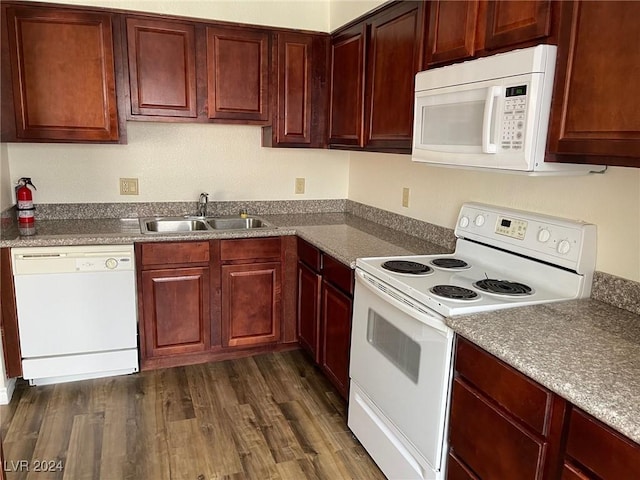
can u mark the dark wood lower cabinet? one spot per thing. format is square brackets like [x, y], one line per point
[325, 304]
[504, 425]
[335, 331]
[309, 285]
[176, 311]
[214, 300]
[251, 310]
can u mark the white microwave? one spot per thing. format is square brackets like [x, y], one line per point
[488, 113]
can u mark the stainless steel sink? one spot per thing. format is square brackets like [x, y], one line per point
[158, 225]
[235, 223]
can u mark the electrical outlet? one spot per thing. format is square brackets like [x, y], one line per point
[405, 197]
[128, 186]
[299, 185]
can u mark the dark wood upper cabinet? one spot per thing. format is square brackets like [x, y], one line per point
[393, 59]
[238, 75]
[451, 31]
[460, 30]
[373, 65]
[63, 75]
[294, 57]
[346, 109]
[162, 70]
[516, 22]
[594, 118]
[298, 91]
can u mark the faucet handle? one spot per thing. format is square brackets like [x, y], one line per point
[204, 197]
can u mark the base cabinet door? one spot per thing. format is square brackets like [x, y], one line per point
[336, 336]
[176, 311]
[251, 305]
[62, 63]
[309, 284]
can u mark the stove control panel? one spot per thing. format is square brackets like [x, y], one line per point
[567, 243]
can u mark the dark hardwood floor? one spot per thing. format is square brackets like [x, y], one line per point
[271, 416]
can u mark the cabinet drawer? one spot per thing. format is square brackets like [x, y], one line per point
[605, 452]
[250, 248]
[488, 442]
[309, 254]
[174, 253]
[337, 273]
[517, 394]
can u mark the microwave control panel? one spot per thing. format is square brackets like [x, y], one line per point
[513, 117]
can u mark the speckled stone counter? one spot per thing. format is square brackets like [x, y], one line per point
[584, 350]
[342, 235]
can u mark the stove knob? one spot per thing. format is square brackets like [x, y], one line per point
[563, 247]
[464, 222]
[479, 221]
[111, 263]
[544, 235]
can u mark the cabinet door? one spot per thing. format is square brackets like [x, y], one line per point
[309, 284]
[452, 31]
[176, 310]
[336, 336]
[593, 116]
[393, 60]
[238, 75]
[63, 74]
[294, 88]
[511, 22]
[346, 109]
[162, 74]
[488, 442]
[251, 304]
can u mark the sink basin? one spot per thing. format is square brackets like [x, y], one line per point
[199, 224]
[170, 225]
[235, 223]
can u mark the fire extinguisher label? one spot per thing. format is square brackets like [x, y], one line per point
[24, 204]
[25, 213]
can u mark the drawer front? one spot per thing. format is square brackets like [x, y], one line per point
[571, 472]
[250, 249]
[309, 254]
[174, 253]
[605, 452]
[516, 393]
[337, 273]
[488, 442]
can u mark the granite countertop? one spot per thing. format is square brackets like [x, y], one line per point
[341, 235]
[584, 350]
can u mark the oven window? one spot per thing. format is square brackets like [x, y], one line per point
[397, 347]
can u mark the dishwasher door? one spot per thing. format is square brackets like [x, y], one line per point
[76, 311]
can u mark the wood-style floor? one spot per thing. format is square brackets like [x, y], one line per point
[271, 416]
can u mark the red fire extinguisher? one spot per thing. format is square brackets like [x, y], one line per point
[26, 210]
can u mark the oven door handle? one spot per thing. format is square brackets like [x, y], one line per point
[403, 303]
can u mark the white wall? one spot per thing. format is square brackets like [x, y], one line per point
[175, 162]
[303, 14]
[342, 12]
[5, 179]
[611, 201]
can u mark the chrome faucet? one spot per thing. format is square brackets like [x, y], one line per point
[202, 204]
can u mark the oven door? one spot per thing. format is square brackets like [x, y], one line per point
[400, 370]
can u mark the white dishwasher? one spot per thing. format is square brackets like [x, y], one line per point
[76, 312]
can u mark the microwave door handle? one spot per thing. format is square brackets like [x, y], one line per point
[492, 93]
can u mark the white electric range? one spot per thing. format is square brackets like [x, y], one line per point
[401, 348]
